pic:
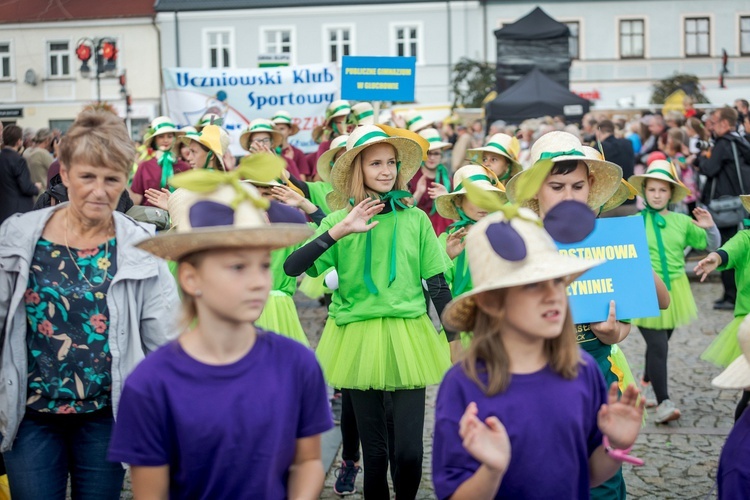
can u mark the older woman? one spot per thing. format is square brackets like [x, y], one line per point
[80, 307]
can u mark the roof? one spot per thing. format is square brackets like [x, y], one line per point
[187, 5]
[536, 25]
[34, 11]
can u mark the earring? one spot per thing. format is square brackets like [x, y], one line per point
[198, 293]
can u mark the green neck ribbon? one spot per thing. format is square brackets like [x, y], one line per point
[393, 198]
[746, 223]
[209, 156]
[461, 280]
[166, 162]
[659, 223]
[441, 177]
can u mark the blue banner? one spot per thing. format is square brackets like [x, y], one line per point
[627, 276]
[378, 78]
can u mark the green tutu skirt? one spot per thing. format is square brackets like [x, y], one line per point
[280, 316]
[383, 354]
[681, 311]
[725, 348]
[313, 288]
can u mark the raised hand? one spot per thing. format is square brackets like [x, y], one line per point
[608, 331]
[158, 197]
[620, 420]
[455, 243]
[708, 264]
[420, 189]
[436, 190]
[287, 196]
[486, 441]
[703, 218]
[358, 220]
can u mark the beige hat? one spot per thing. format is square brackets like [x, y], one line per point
[745, 198]
[415, 122]
[208, 119]
[212, 137]
[408, 154]
[433, 137]
[478, 177]
[326, 160]
[364, 113]
[624, 191]
[499, 144]
[337, 108]
[285, 118]
[737, 374]
[260, 125]
[159, 126]
[505, 252]
[662, 170]
[559, 146]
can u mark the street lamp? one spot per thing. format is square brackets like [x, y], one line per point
[106, 58]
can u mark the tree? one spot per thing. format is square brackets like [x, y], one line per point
[689, 83]
[471, 82]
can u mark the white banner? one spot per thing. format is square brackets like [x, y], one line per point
[241, 95]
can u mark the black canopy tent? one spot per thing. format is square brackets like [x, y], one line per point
[533, 96]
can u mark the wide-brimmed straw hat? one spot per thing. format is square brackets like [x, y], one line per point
[231, 215]
[337, 108]
[737, 374]
[364, 113]
[408, 155]
[661, 170]
[624, 192]
[282, 117]
[506, 251]
[745, 198]
[213, 137]
[499, 144]
[260, 125]
[415, 122]
[326, 160]
[159, 126]
[209, 119]
[433, 137]
[478, 177]
[558, 146]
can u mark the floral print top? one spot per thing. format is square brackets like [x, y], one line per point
[70, 366]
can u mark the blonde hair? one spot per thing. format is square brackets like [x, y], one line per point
[98, 138]
[356, 189]
[487, 353]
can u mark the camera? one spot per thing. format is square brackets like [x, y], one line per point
[705, 145]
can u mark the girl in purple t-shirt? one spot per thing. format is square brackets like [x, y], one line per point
[226, 410]
[526, 414]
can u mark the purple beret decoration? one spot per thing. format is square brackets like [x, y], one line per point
[570, 221]
[280, 213]
[506, 242]
[211, 214]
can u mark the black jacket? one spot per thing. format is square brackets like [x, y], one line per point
[620, 152]
[16, 189]
[721, 171]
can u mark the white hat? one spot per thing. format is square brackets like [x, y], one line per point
[433, 137]
[208, 119]
[159, 126]
[364, 113]
[260, 125]
[478, 177]
[737, 374]
[337, 108]
[282, 117]
[661, 170]
[415, 122]
[499, 144]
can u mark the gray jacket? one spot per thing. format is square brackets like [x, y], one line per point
[142, 301]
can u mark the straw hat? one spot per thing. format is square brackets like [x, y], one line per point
[260, 125]
[415, 122]
[212, 137]
[662, 170]
[745, 198]
[737, 374]
[408, 154]
[478, 177]
[624, 191]
[227, 217]
[284, 118]
[159, 126]
[500, 144]
[326, 160]
[209, 119]
[559, 146]
[433, 137]
[364, 113]
[337, 108]
[510, 251]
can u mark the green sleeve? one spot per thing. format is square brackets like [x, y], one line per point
[738, 250]
[433, 259]
[695, 236]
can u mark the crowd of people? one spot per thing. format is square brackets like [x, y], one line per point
[101, 242]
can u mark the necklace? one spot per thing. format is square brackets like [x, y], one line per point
[75, 263]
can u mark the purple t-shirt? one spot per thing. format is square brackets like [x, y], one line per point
[225, 431]
[552, 426]
[734, 465]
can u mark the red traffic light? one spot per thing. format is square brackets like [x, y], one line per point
[109, 52]
[83, 52]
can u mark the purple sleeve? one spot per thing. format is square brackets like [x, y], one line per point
[315, 413]
[140, 434]
[137, 185]
[451, 463]
[598, 398]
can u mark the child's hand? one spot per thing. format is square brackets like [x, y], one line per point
[158, 198]
[703, 218]
[358, 219]
[421, 188]
[436, 190]
[710, 263]
[455, 243]
[486, 441]
[287, 196]
[289, 154]
[621, 420]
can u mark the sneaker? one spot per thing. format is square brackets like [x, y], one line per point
[724, 305]
[345, 477]
[647, 393]
[666, 412]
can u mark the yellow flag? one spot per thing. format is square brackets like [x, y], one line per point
[674, 102]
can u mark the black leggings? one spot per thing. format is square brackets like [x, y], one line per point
[657, 348]
[349, 433]
[408, 426]
[742, 405]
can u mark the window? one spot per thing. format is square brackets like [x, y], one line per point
[277, 41]
[631, 38]
[61, 125]
[5, 61]
[574, 40]
[59, 59]
[338, 43]
[697, 36]
[219, 48]
[407, 40]
[745, 35]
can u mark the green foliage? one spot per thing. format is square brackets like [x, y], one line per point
[471, 82]
[689, 83]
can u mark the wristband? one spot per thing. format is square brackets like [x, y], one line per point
[620, 455]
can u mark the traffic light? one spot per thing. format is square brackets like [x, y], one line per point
[83, 52]
[109, 55]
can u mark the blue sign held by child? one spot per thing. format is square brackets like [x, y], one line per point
[378, 78]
